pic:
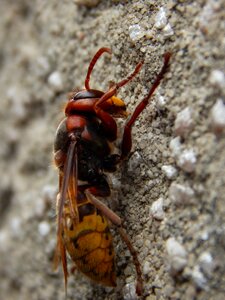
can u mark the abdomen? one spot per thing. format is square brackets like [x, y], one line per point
[89, 244]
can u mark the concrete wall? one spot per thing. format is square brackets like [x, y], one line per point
[171, 191]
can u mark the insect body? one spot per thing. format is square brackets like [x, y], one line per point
[83, 154]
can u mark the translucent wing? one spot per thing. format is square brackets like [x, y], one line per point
[66, 202]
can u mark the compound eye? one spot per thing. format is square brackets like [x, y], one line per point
[85, 94]
[77, 96]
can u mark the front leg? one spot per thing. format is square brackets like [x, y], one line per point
[126, 143]
[108, 123]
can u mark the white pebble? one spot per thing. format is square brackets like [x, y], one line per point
[174, 248]
[43, 228]
[136, 32]
[177, 255]
[146, 268]
[134, 162]
[156, 209]
[181, 194]
[160, 101]
[187, 160]
[129, 291]
[169, 171]
[168, 30]
[217, 78]
[204, 235]
[175, 146]
[16, 227]
[55, 80]
[184, 122]
[199, 278]
[206, 263]
[42, 66]
[218, 116]
[160, 18]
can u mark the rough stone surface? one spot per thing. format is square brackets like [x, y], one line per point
[41, 38]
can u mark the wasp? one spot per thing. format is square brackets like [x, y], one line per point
[83, 154]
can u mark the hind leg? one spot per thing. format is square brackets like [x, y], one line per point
[116, 220]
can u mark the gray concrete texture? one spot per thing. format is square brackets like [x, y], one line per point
[170, 193]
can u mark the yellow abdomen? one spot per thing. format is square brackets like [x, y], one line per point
[89, 244]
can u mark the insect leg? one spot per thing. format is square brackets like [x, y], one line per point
[99, 188]
[104, 209]
[127, 140]
[108, 122]
[116, 220]
[125, 238]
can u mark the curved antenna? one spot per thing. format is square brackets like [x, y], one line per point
[131, 76]
[113, 90]
[92, 64]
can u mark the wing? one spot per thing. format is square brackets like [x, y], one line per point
[66, 202]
